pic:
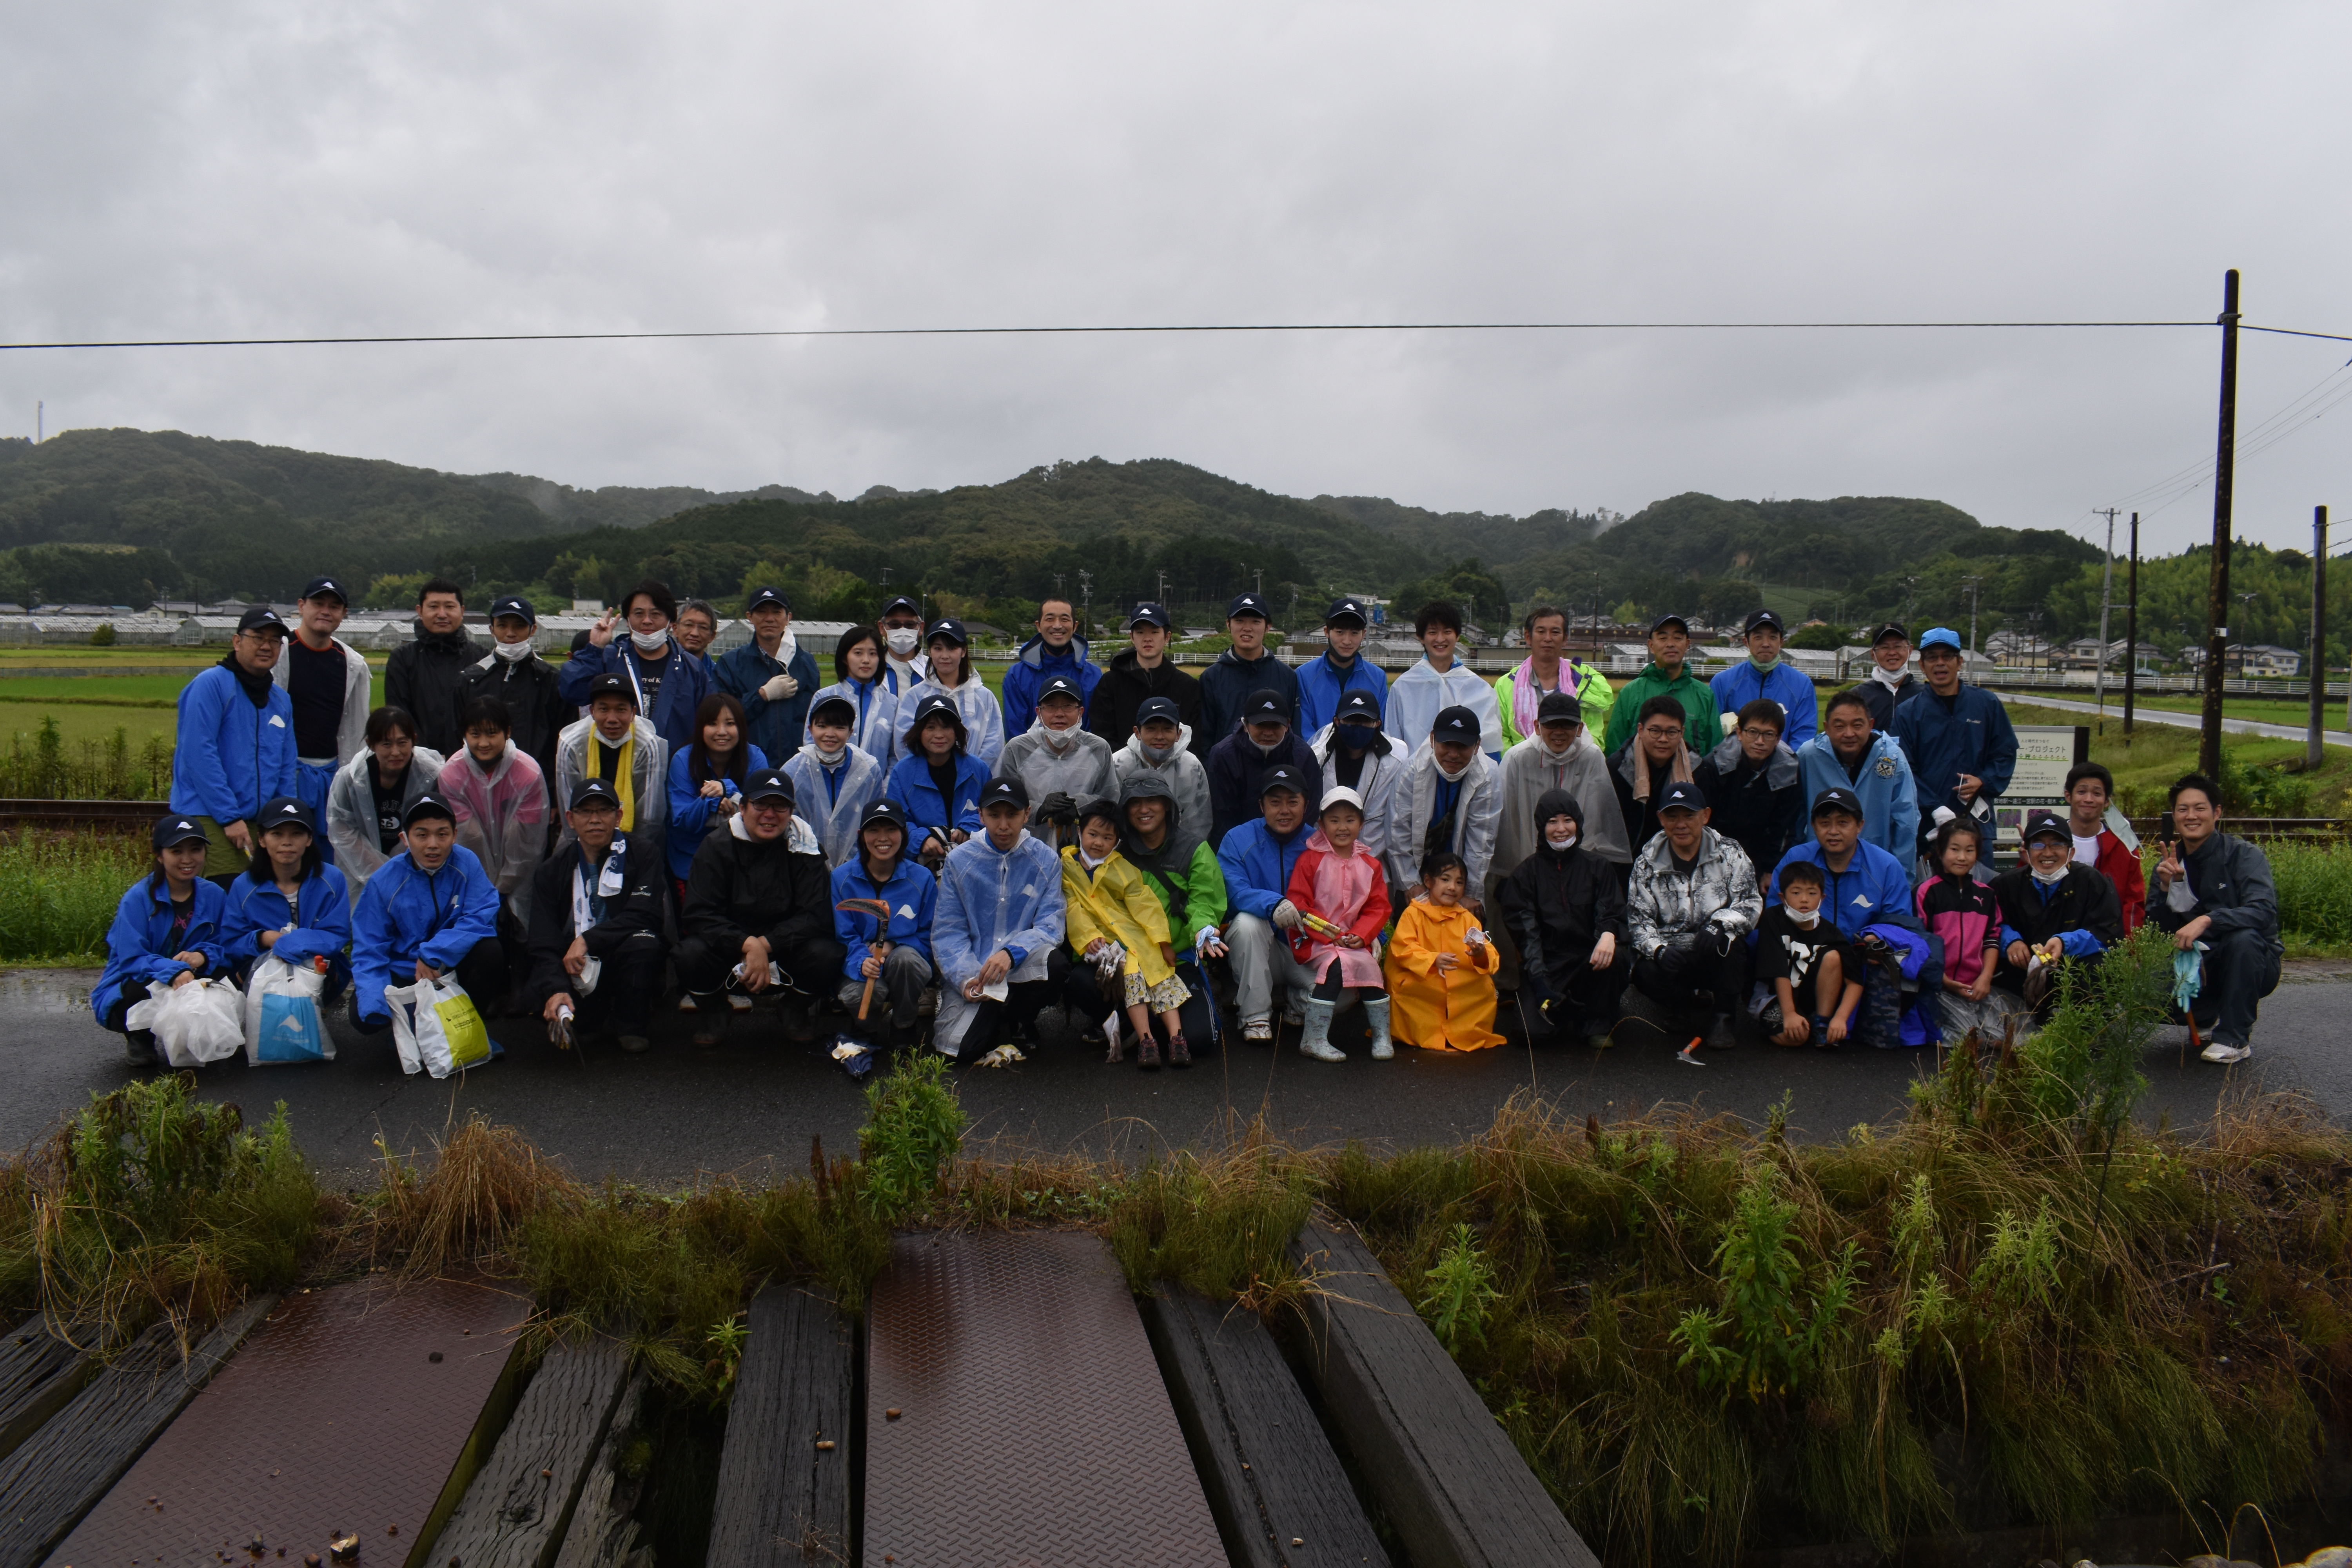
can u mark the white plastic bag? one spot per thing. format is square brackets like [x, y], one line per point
[203, 1021]
[437, 1029]
[283, 1021]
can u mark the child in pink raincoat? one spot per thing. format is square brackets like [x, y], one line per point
[1343, 889]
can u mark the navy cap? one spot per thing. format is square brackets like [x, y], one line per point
[1560, 708]
[326, 588]
[1763, 619]
[1265, 708]
[1681, 795]
[261, 618]
[1670, 619]
[1247, 605]
[826, 705]
[948, 627]
[1357, 705]
[177, 830]
[1456, 723]
[424, 807]
[285, 811]
[935, 702]
[769, 597]
[611, 685]
[2047, 824]
[1891, 630]
[515, 606]
[1006, 790]
[1939, 636]
[1148, 615]
[1061, 686]
[884, 811]
[594, 792]
[1153, 708]
[900, 603]
[769, 784]
[1282, 775]
[1837, 798]
[1347, 610]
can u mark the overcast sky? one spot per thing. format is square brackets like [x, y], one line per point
[257, 169]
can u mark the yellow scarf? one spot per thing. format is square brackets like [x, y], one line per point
[625, 767]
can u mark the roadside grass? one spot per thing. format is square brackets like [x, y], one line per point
[85, 722]
[58, 892]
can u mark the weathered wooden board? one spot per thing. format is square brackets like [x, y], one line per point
[48, 1483]
[602, 1533]
[38, 1373]
[1281, 1497]
[516, 1509]
[1450, 1483]
[784, 1475]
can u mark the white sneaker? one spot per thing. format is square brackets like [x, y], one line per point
[739, 1002]
[1258, 1032]
[2222, 1051]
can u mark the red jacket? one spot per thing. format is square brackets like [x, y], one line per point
[2120, 864]
[1368, 922]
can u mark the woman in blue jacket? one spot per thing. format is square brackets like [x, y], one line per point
[166, 933]
[937, 783]
[290, 903]
[706, 779]
[864, 678]
[894, 953]
[428, 912]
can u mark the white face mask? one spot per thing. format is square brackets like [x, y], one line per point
[1458, 775]
[650, 642]
[832, 759]
[1806, 922]
[2048, 878]
[1059, 741]
[1560, 837]
[513, 652]
[902, 640]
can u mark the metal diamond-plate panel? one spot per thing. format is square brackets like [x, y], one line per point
[335, 1417]
[1033, 1426]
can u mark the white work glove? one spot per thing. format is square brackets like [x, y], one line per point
[1285, 915]
[1474, 937]
[1209, 941]
[779, 688]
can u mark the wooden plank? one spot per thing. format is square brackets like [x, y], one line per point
[603, 1532]
[782, 1498]
[38, 1373]
[1452, 1486]
[1281, 1497]
[519, 1503]
[48, 1484]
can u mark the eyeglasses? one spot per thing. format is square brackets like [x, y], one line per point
[1753, 734]
[1662, 731]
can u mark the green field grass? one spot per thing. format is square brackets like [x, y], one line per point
[57, 894]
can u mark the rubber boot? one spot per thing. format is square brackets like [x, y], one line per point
[1376, 1013]
[1316, 1041]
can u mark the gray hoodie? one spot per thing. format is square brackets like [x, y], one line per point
[1084, 772]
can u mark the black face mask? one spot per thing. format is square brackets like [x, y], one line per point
[1353, 737]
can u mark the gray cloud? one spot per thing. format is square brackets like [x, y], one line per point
[278, 169]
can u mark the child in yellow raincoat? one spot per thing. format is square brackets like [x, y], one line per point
[1113, 918]
[1440, 967]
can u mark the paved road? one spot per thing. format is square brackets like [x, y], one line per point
[752, 1105]
[2177, 721]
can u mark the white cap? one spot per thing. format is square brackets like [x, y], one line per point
[1340, 794]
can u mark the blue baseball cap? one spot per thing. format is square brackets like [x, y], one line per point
[1247, 605]
[1681, 795]
[1939, 636]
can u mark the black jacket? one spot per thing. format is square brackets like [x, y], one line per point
[1560, 902]
[527, 688]
[740, 887]
[636, 912]
[2085, 901]
[1761, 809]
[1236, 768]
[2232, 883]
[1882, 703]
[428, 677]
[1110, 712]
[1228, 684]
[1641, 822]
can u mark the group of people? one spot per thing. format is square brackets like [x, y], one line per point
[1138, 846]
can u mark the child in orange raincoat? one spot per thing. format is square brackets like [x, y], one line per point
[1341, 895]
[1440, 967]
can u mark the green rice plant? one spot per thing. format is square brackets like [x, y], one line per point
[107, 769]
[914, 1127]
[58, 895]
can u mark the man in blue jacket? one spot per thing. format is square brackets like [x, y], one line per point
[1861, 885]
[1763, 673]
[1056, 649]
[670, 682]
[1962, 747]
[428, 912]
[1340, 668]
[773, 676]
[167, 931]
[1244, 670]
[1849, 754]
[997, 935]
[236, 746]
[1258, 858]
[890, 956]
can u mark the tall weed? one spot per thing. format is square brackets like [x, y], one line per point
[58, 895]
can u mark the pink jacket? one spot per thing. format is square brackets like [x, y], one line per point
[1347, 890]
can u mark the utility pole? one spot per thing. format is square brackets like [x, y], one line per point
[1976, 590]
[1259, 574]
[2131, 631]
[2107, 586]
[2311, 757]
[41, 420]
[2216, 598]
[1086, 587]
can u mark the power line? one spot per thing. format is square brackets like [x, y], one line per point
[1229, 327]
